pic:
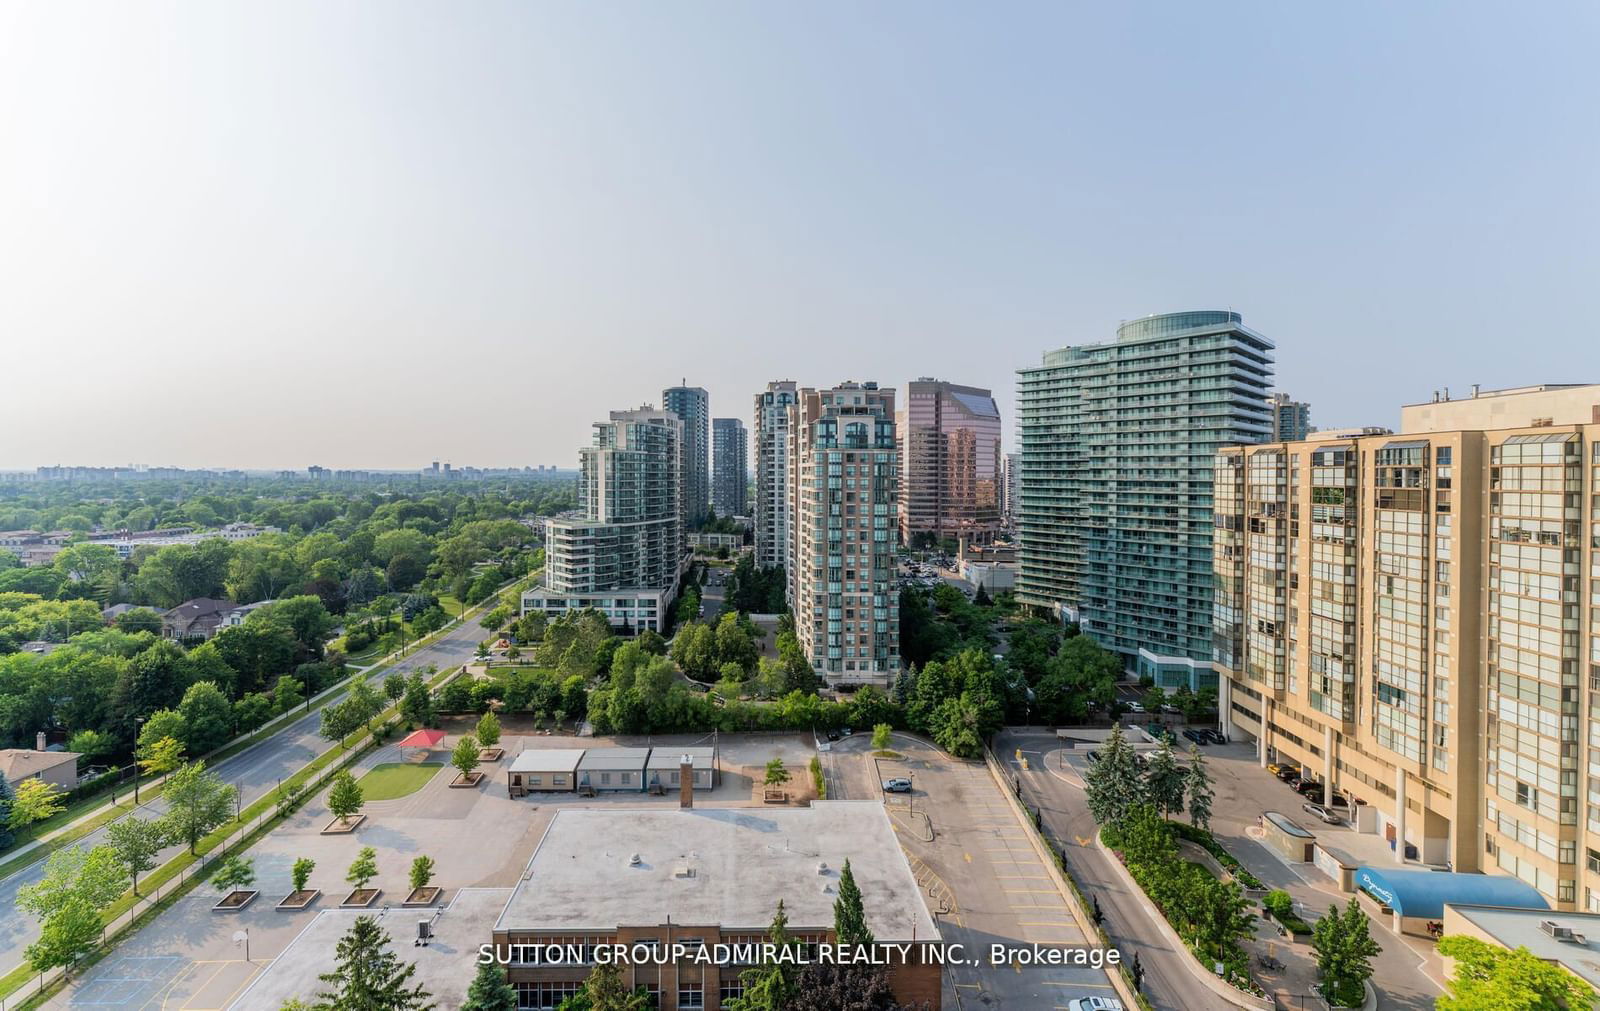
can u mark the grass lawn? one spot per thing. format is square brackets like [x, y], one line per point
[396, 779]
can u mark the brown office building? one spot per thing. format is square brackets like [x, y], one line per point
[692, 876]
[951, 466]
[1414, 621]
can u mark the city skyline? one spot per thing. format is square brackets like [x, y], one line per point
[357, 247]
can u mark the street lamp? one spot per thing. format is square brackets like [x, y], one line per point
[138, 721]
[912, 797]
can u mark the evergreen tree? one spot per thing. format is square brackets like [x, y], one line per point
[1114, 783]
[369, 976]
[490, 991]
[1164, 781]
[5, 813]
[770, 987]
[1198, 785]
[849, 917]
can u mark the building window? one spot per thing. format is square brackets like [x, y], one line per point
[732, 989]
[605, 779]
[691, 995]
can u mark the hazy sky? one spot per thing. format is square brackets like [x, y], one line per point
[378, 234]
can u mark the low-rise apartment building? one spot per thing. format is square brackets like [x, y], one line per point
[1414, 619]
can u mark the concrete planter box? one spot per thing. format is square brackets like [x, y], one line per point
[337, 827]
[425, 896]
[361, 898]
[235, 901]
[299, 900]
[491, 754]
[466, 783]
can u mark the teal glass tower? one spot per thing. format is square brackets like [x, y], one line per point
[1117, 444]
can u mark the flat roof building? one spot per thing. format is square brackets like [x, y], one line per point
[950, 463]
[544, 770]
[707, 875]
[730, 465]
[664, 767]
[1117, 445]
[1409, 619]
[613, 769]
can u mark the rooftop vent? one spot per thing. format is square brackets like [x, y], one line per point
[635, 860]
[1556, 930]
[822, 867]
[683, 871]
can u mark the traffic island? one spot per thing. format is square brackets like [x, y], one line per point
[341, 826]
[361, 898]
[425, 896]
[295, 901]
[235, 900]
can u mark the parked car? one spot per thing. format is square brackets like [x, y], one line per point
[1285, 772]
[1294, 780]
[1196, 736]
[833, 735]
[897, 786]
[1135, 707]
[1276, 769]
[1214, 736]
[846, 731]
[1309, 786]
[1326, 814]
[1095, 1004]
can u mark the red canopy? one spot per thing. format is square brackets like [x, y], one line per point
[422, 739]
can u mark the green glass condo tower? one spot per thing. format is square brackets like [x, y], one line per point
[1118, 441]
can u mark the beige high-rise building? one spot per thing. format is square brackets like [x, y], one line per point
[1414, 620]
[844, 482]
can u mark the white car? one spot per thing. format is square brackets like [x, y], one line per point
[1095, 1004]
[1135, 707]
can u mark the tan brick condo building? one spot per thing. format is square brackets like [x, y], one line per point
[1412, 619]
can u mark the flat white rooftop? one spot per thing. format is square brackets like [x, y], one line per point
[547, 760]
[445, 967]
[741, 861]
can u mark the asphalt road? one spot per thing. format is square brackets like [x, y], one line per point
[1127, 918]
[256, 771]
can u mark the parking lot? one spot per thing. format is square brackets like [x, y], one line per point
[985, 882]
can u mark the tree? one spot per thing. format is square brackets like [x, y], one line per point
[91, 744]
[490, 991]
[880, 737]
[369, 977]
[849, 917]
[421, 872]
[465, 756]
[207, 718]
[1198, 786]
[416, 705]
[139, 619]
[1489, 978]
[344, 797]
[197, 802]
[1344, 947]
[136, 841]
[160, 724]
[300, 873]
[33, 800]
[161, 756]
[488, 730]
[6, 796]
[394, 686]
[1113, 782]
[77, 884]
[236, 873]
[777, 775]
[1164, 780]
[339, 720]
[770, 987]
[364, 868]
[605, 991]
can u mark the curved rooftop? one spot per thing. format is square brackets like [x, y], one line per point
[1165, 323]
[1424, 893]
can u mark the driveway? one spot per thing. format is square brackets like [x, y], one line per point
[985, 882]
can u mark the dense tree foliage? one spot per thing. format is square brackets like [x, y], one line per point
[373, 559]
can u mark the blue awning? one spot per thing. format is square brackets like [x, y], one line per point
[1424, 893]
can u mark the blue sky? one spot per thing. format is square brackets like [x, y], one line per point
[378, 234]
